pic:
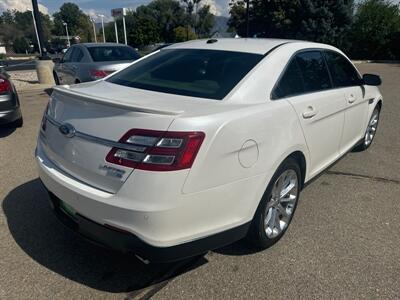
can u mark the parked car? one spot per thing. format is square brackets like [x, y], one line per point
[202, 143]
[10, 111]
[92, 61]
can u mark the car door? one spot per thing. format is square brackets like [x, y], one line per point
[345, 77]
[320, 109]
[71, 68]
[62, 70]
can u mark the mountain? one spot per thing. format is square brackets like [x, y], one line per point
[220, 28]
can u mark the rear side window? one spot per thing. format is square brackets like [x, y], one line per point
[314, 71]
[68, 55]
[342, 71]
[77, 55]
[290, 83]
[190, 72]
[112, 53]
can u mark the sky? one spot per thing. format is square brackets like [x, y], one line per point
[95, 7]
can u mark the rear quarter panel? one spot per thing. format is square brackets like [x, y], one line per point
[273, 131]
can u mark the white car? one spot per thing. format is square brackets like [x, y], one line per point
[202, 143]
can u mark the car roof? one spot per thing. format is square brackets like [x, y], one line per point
[249, 45]
[88, 45]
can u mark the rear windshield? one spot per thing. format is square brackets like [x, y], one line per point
[190, 72]
[105, 53]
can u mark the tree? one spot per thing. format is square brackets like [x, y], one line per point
[317, 20]
[205, 21]
[78, 22]
[376, 30]
[198, 17]
[161, 21]
[168, 14]
[143, 28]
[181, 34]
[16, 25]
[24, 23]
[7, 17]
[20, 45]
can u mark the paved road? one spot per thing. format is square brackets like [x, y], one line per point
[343, 242]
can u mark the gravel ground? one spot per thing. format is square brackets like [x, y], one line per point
[343, 242]
[24, 80]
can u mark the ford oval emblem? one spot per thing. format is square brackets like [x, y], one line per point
[67, 130]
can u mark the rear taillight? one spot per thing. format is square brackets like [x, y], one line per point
[5, 86]
[157, 150]
[98, 74]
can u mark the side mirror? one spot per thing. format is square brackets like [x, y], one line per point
[371, 79]
[57, 60]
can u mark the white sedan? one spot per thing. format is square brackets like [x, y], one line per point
[202, 143]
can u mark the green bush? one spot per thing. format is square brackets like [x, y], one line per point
[376, 30]
[182, 34]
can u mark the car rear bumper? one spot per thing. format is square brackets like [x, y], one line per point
[10, 116]
[9, 108]
[127, 242]
[176, 227]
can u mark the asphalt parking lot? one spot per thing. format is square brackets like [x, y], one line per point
[344, 241]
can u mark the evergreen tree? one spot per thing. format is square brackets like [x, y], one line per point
[316, 20]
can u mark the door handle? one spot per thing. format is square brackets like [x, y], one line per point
[351, 99]
[309, 113]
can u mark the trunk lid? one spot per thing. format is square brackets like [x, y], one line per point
[98, 121]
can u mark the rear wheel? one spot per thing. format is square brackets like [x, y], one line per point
[277, 206]
[370, 131]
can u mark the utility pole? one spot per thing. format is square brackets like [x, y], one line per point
[116, 31]
[66, 29]
[94, 30]
[36, 31]
[123, 21]
[247, 18]
[44, 66]
[102, 26]
[117, 13]
[38, 25]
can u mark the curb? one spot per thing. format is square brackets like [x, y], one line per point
[40, 87]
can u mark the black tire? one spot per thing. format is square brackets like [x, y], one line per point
[257, 232]
[364, 144]
[19, 123]
[56, 80]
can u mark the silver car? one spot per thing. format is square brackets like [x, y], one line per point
[92, 61]
[10, 111]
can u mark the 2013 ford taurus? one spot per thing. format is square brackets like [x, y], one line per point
[202, 143]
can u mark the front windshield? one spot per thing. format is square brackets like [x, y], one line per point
[208, 74]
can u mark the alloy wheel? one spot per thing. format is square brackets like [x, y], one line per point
[371, 129]
[280, 208]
